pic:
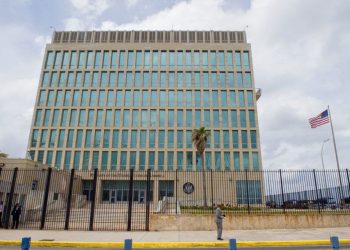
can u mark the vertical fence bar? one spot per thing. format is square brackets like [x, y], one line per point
[148, 198]
[46, 196]
[131, 185]
[317, 199]
[283, 204]
[176, 191]
[347, 175]
[246, 186]
[9, 203]
[212, 192]
[93, 201]
[71, 180]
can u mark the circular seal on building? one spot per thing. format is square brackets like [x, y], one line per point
[188, 188]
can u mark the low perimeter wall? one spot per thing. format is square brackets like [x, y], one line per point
[235, 222]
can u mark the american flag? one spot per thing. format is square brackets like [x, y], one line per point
[319, 120]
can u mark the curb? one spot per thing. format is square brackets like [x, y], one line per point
[171, 244]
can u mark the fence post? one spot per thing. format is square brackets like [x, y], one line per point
[318, 201]
[9, 202]
[247, 193]
[69, 201]
[148, 194]
[347, 175]
[212, 192]
[176, 191]
[284, 207]
[131, 187]
[93, 200]
[46, 196]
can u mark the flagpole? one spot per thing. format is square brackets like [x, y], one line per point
[336, 153]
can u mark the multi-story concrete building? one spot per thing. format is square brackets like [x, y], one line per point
[118, 100]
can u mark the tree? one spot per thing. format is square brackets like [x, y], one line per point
[3, 155]
[199, 139]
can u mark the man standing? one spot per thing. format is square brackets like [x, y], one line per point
[218, 219]
[16, 212]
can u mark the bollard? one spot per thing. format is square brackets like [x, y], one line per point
[335, 243]
[233, 244]
[25, 243]
[128, 244]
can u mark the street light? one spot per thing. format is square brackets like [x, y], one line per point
[324, 173]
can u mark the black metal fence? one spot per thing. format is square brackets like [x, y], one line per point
[124, 200]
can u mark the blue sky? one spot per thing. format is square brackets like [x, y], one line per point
[300, 56]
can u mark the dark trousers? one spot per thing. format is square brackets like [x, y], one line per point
[0, 219]
[15, 222]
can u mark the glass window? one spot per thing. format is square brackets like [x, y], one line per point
[129, 79]
[162, 79]
[246, 59]
[216, 118]
[234, 118]
[137, 81]
[241, 98]
[91, 117]
[135, 118]
[217, 141]
[179, 118]
[179, 159]
[73, 118]
[133, 141]
[198, 118]
[163, 99]
[105, 63]
[238, 59]
[126, 120]
[189, 118]
[205, 59]
[171, 115]
[121, 79]
[79, 139]
[235, 139]
[87, 79]
[45, 79]
[188, 59]
[205, 79]
[151, 158]
[244, 139]
[179, 59]
[99, 118]
[127, 98]
[180, 98]
[49, 59]
[142, 160]
[62, 79]
[171, 98]
[60, 138]
[180, 139]
[115, 139]
[145, 98]
[213, 59]
[121, 59]
[43, 138]
[70, 136]
[54, 77]
[180, 79]
[58, 159]
[248, 80]
[124, 138]
[188, 139]
[42, 96]
[221, 59]
[144, 118]
[114, 160]
[51, 140]
[73, 60]
[189, 160]
[65, 62]
[255, 161]
[89, 60]
[223, 98]
[163, 59]
[196, 59]
[171, 59]
[67, 159]
[81, 60]
[243, 118]
[154, 79]
[162, 118]
[49, 158]
[160, 161]
[97, 138]
[188, 98]
[224, 114]
[170, 138]
[117, 118]
[104, 160]
[143, 135]
[111, 82]
[97, 59]
[108, 118]
[236, 161]
[58, 58]
[215, 99]
[119, 96]
[229, 55]
[161, 138]
[253, 139]
[55, 118]
[152, 138]
[138, 59]
[251, 118]
[64, 117]
[206, 98]
[155, 59]
[245, 160]
[110, 98]
[146, 59]
[250, 98]
[208, 160]
[95, 156]
[207, 118]
[86, 159]
[217, 161]
[227, 160]
[132, 161]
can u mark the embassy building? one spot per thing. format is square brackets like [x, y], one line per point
[120, 100]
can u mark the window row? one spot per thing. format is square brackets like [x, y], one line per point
[144, 118]
[147, 79]
[163, 59]
[70, 138]
[145, 98]
[142, 160]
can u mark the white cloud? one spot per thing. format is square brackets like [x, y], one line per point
[90, 7]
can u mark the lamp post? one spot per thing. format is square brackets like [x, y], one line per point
[324, 173]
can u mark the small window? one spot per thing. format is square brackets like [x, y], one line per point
[88, 36]
[73, 37]
[176, 36]
[104, 36]
[112, 36]
[136, 37]
[120, 38]
[55, 196]
[167, 36]
[184, 36]
[160, 36]
[144, 36]
[97, 37]
[199, 37]
[127, 36]
[207, 37]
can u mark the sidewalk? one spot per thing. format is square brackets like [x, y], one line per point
[193, 237]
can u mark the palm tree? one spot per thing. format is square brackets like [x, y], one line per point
[199, 139]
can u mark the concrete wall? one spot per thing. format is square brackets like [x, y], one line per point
[237, 222]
